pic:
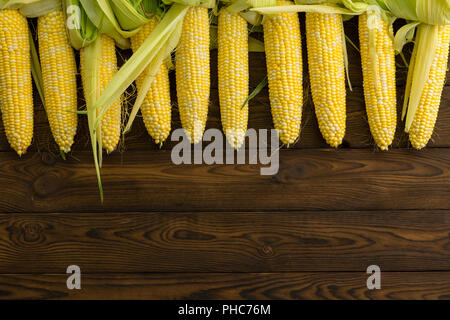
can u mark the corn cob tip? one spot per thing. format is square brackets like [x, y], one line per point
[235, 137]
[288, 137]
[335, 144]
[20, 149]
[418, 147]
[109, 149]
[194, 132]
[417, 143]
[159, 137]
[235, 142]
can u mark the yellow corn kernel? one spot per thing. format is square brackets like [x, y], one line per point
[327, 74]
[192, 72]
[380, 95]
[156, 108]
[16, 99]
[425, 118]
[59, 77]
[111, 120]
[282, 43]
[233, 76]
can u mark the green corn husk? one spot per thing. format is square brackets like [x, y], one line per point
[164, 38]
[84, 33]
[435, 12]
[81, 30]
[87, 23]
[104, 24]
[39, 8]
[129, 15]
[15, 4]
[423, 16]
[153, 52]
[91, 93]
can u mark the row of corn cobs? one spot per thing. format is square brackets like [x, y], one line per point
[282, 41]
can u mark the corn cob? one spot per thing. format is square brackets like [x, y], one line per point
[327, 74]
[111, 120]
[59, 78]
[425, 117]
[233, 76]
[379, 78]
[156, 108]
[282, 43]
[192, 72]
[16, 99]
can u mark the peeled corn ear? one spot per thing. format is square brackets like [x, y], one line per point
[59, 78]
[327, 73]
[425, 117]
[378, 68]
[192, 72]
[282, 42]
[16, 99]
[233, 76]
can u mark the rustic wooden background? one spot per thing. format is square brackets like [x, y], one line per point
[224, 231]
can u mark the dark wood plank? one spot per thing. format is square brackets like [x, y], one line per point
[225, 242]
[348, 286]
[321, 179]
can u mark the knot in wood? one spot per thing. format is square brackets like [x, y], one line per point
[27, 233]
[32, 232]
[46, 185]
[267, 250]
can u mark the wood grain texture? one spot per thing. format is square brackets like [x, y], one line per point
[225, 242]
[323, 285]
[320, 179]
[225, 231]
